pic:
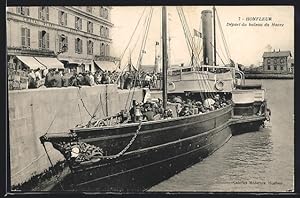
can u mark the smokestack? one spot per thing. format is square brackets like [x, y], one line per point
[206, 16]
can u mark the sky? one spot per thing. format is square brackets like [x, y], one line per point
[246, 44]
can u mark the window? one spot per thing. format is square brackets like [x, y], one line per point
[275, 67]
[78, 23]
[89, 27]
[269, 67]
[43, 40]
[62, 18]
[89, 9]
[282, 60]
[101, 11]
[23, 10]
[78, 45]
[106, 32]
[107, 50]
[281, 67]
[102, 31]
[268, 61]
[90, 47]
[275, 60]
[63, 42]
[102, 49]
[105, 13]
[90, 67]
[44, 13]
[25, 37]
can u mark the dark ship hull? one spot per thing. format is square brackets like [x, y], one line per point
[161, 149]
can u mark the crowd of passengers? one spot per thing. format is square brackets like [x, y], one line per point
[153, 109]
[189, 106]
[62, 78]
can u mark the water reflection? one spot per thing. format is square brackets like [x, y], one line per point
[258, 161]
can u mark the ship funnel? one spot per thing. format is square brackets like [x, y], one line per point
[206, 16]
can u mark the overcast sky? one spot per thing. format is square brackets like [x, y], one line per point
[246, 44]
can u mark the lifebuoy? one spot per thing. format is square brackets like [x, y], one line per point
[219, 85]
[173, 86]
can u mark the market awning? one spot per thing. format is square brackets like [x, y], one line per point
[107, 65]
[31, 62]
[50, 62]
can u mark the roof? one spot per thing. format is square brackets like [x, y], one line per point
[277, 54]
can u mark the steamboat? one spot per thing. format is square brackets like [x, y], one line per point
[132, 156]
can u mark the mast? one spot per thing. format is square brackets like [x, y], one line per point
[214, 19]
[164, 55]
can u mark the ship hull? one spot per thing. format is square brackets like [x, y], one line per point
[245, 124]
[161, 150]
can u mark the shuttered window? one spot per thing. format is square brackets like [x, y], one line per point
[90, 46]
[43, 40]
[62, 18]
[78, 23]
[89, 27]
[78, 45]
[63, 41]
[23, 10]
[101, 31]
[43, 13]
[25, 37]
[102, 49]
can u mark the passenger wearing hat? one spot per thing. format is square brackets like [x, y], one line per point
[147, 80]
[185, 111]
[217, 103]
[57, 80]
[65, 80]
[200, 107]
[49, 78]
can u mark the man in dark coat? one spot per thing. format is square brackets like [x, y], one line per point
[49, 78]
[57, 79]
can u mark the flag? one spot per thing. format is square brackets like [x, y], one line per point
[197, 33]
[156, 43]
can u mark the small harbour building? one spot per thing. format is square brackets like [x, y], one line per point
[62, 37]
[279, 62]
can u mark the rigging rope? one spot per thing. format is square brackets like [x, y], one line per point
[133, 33]
[223, 36]
[83, 103]
[140, 55]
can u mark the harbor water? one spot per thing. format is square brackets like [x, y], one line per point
[261, 161]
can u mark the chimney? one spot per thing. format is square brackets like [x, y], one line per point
[206, 16]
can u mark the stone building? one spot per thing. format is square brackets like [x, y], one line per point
[277, 62]
[59, 37]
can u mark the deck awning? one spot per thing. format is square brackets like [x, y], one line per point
[51, 63]
[31, 62]
[107, 65]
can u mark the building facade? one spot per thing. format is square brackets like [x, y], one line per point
[277, 62]
[78, 36]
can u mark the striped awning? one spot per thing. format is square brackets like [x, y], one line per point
[51, 63]
[107, 65]
[31, 62]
